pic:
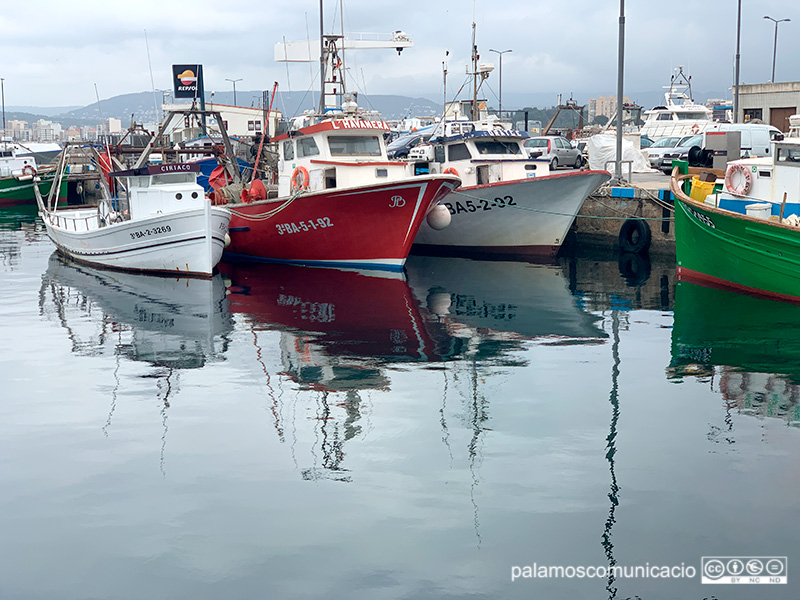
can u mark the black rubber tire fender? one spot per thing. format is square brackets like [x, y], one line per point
[635, 236]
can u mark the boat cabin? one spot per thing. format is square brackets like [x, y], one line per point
[335, 153]
[480, 153]
[158, 189]
[12, 165]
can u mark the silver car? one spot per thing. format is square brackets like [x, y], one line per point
[656, 152]
[555, 149]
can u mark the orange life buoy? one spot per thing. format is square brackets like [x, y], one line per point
[738, 179]
[450, 171]
[28, 170]
[299, 179]
[695, 128]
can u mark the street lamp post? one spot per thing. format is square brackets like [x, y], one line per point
[500, 53]
[233, 81]
[775, 45]
[3, 95]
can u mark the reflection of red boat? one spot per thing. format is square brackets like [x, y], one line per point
[371, 316]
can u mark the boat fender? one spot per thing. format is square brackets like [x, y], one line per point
[28, 170]
[450, 171]
[634, 236]
[738, 179]
[299, 179]
[439, 217]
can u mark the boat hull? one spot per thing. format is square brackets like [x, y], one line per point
[188, 242]
[16, 192]
[369, 226]
[735, 252]
[523, 217]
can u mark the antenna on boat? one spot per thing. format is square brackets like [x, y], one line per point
[152, 81]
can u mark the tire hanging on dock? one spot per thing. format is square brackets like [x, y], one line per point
[635, 236]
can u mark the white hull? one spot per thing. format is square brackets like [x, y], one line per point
[189, 242]
[526, 216]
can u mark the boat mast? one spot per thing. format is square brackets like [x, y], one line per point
[321, 63]
[474, 71]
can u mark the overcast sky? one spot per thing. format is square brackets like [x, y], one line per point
[55, 52]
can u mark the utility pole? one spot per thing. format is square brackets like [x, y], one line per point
[775, 44]
[500, 53]
[233, 81]
[736, 63]
[3, 94]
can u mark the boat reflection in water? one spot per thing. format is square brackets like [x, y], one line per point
[340, 331]
[751, 344]
[176, 323]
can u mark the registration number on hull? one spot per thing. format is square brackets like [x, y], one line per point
[137, 235]
[479, 204]
[303, 226]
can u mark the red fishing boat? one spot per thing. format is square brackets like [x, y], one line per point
[340, 201]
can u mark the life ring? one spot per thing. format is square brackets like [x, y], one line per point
[28, 170]
[299, 179]
[695, 128]
[634, 236]
[738, 179]
[450, 171]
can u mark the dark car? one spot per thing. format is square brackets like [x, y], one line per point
[400, 147]
[688, 145]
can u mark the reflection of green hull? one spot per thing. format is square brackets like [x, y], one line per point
[719, 328]
[733, 251]
[14, 192]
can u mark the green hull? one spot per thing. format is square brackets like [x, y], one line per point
[732, 251]
[14, 192]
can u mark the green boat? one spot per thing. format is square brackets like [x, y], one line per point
[731, 251]
[18, 190]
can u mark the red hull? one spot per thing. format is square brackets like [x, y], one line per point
[369, 226]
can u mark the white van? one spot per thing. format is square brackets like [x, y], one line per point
[756, 137]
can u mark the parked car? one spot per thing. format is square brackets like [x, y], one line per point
[399, 148]
[656, 152]
[680, 152]
[555, 149]
[645, 142]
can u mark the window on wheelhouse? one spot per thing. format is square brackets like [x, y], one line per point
[306, 146]
[288, 150]
[696, 116]
[497, 147]
[354, 145]
[174, 178]
[664, 117]
[788, 154]
[458, 152]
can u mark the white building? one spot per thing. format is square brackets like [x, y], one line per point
[45, 131]
[238, 121]
[772, 103]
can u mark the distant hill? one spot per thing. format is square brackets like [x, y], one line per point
[144, 107]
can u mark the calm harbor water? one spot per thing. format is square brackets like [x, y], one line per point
[282, 432]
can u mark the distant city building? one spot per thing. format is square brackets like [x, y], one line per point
[18, 131]
[45, 131]
[605, 106]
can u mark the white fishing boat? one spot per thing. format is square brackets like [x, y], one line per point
[159, 222]
[680, 116]
[508, 203]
